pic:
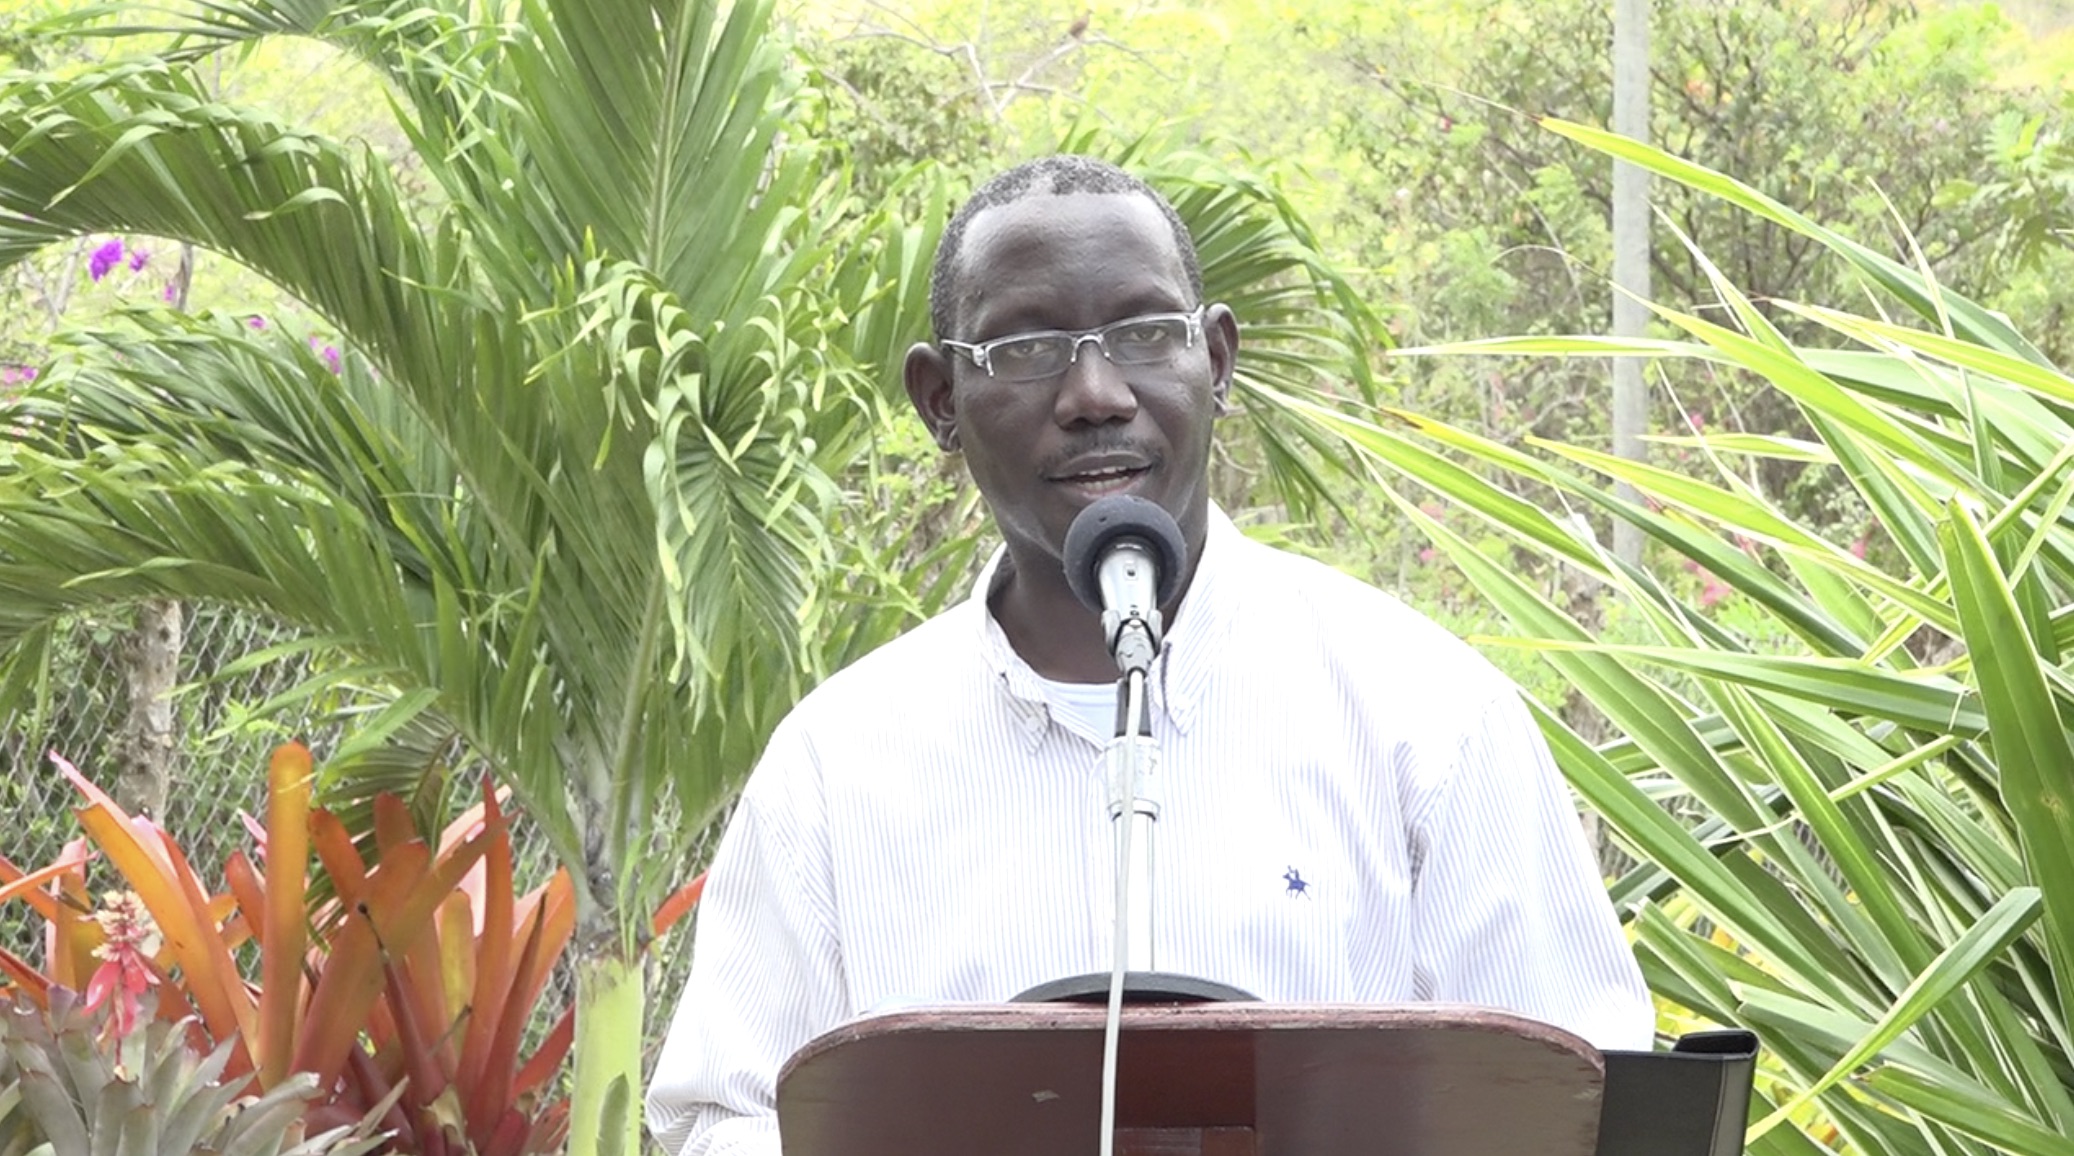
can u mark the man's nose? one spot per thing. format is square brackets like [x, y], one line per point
[1092, 389]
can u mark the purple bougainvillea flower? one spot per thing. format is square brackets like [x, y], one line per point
[107, 257]
[137, 259]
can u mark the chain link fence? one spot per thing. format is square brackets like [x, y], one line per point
[229, 710]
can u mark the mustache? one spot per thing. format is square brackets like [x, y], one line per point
[1100, 441]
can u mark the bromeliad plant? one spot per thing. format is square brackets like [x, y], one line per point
[404, 993]
[1881, 743]
[64, 1092]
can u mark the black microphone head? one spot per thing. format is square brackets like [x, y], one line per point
[1122, 516]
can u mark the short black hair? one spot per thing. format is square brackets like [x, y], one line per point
[1052, 176]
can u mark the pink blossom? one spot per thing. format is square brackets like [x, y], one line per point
[105, 258]
[256, 322]
[1858, 547]
[172, 292]
[125, 970]
[138, 257]
[17, 374]
[1714, 591]
[1427, 555]
[329, 353]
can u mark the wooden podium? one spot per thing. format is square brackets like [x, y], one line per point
[1210, 1079]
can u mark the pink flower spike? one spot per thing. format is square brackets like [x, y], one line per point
[125, 972]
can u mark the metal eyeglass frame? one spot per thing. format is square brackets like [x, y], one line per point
[981, 354]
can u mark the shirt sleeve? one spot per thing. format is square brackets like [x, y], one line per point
[1508, 905]
[766, 971]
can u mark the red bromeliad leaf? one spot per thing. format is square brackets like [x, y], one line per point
[493, 1093]
[352, 978]
[547, 1059]
[289, 774]
[558, 925]
[680, 903]
[426, 1083]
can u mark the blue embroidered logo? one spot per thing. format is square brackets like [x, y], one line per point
[1297, 884]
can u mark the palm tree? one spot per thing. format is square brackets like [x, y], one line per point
[571, 493]
[568, 489]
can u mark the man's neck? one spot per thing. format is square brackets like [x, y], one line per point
[1049, 628]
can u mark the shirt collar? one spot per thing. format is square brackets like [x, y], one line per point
[1180, 675]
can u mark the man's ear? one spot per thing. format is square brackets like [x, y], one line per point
[1221, 337]
[927, 373]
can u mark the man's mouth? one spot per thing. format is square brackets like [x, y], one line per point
[1097, 481]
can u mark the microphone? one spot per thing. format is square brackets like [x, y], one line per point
[1124, 556]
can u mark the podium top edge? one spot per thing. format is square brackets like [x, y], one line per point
[1202, 1017]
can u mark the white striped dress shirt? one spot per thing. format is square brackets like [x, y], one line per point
[930, 826]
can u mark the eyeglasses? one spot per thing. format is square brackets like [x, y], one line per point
[1144, 340]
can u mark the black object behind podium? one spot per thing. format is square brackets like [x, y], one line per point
[1253, 1079]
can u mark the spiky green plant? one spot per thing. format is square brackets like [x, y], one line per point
[65, 1091]
[1879, 743]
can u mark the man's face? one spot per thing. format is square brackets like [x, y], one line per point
[1043, 450]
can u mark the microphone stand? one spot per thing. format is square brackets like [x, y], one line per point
[1132, 763]
[1133, 758]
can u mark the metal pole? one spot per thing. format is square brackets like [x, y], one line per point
[1630, 248]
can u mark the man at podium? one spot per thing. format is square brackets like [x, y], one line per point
[1356, 806]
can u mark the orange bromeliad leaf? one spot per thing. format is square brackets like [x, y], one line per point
[182, 918]
[282, 931]
[223, 975]
[494, 962]
[29, 885]
[342, 862]
[17, 972]
[393, 825]
[457, 949]
[397, 906]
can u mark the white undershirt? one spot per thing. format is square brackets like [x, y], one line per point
[1086, 707]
